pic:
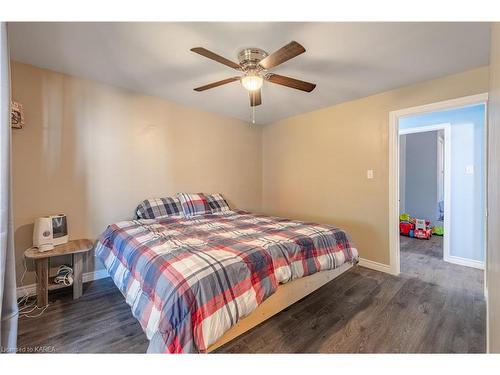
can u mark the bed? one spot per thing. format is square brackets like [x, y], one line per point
[196, 283]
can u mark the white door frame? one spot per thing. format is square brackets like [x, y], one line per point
[447, 178]
[394, 117]
[440, 166]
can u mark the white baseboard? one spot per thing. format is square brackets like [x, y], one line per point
[375, 265]
[26, 290]
[95, 275]
[30, 290]
[464, 262]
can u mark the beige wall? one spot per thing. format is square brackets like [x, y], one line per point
[93, 152]
[314, 165]
[493, 260]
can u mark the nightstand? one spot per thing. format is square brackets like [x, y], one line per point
[76, 248]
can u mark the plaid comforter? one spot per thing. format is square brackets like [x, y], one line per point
[188, 281]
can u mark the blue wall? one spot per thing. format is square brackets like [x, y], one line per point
[421, 185]
[467, 190]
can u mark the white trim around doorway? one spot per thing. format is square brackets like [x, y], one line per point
[394, 116]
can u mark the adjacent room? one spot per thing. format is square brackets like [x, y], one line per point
[258, 187]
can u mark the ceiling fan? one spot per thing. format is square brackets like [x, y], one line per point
[255, 63]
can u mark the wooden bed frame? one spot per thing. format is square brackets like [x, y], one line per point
[285, 295]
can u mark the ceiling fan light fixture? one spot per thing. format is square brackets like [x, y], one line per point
[255, 64]
[252, 82]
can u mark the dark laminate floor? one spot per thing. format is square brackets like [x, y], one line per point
[433, 307]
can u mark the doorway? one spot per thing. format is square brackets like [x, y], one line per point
[468, 234]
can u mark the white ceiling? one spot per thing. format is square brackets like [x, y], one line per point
[345, 60]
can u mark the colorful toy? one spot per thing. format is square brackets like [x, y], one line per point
[404, 217]
[405, 228]
[414, 228]
[438, 231]
[422, 230]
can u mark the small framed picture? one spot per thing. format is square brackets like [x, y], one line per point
[17, 115]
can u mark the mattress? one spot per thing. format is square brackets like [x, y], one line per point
[188, 281]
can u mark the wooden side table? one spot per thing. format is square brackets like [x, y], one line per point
[76, 248]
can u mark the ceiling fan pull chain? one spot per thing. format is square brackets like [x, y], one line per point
[253, 111]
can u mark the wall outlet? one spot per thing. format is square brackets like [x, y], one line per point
[469, 169]
[369, 174]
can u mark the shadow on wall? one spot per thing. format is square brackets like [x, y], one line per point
[94, 152]
[48, 164]
[23, 240]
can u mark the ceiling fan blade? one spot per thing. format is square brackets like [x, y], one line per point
[216, 84]
[290, 82]
[255, 98]
[285, 53]
[213, 56]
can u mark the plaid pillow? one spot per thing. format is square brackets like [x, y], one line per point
[217, 203]
[194, 204]
[155, 208]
